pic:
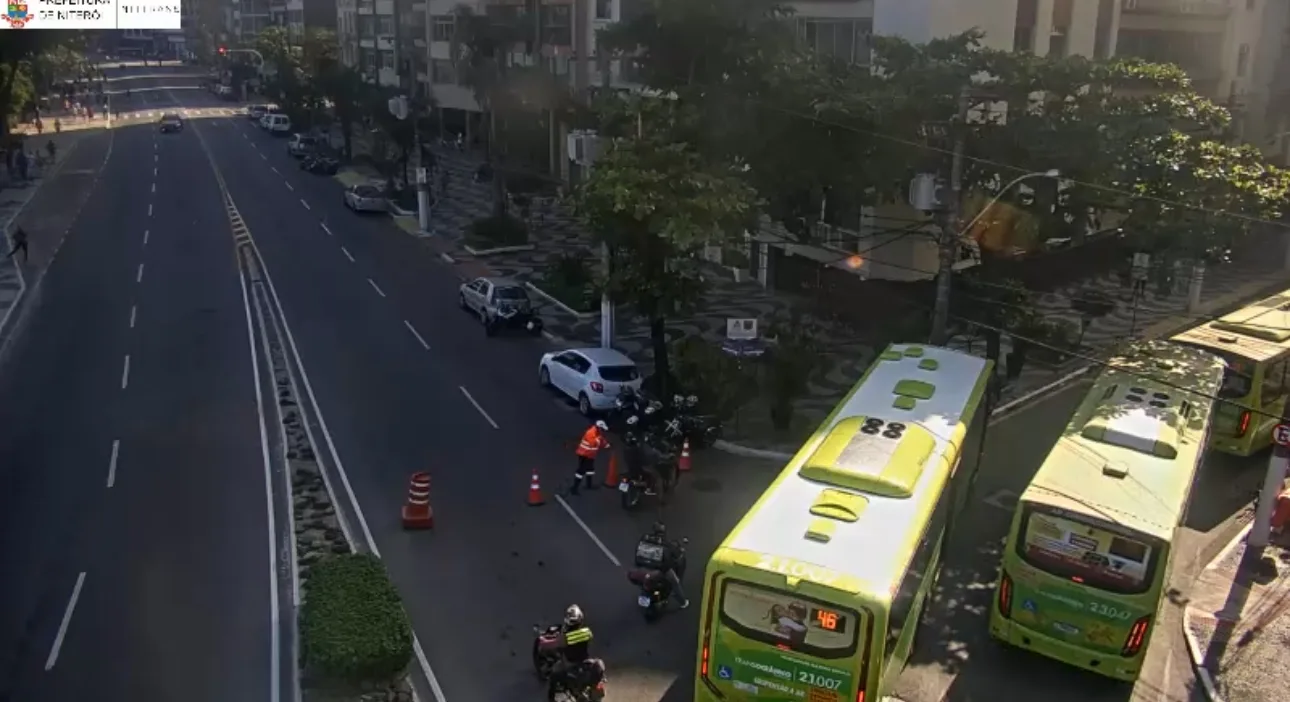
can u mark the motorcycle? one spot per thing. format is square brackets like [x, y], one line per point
[659, 482]
[702, 430]
[655, 588]
[586, 683]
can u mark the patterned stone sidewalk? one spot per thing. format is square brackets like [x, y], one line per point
[846, 357]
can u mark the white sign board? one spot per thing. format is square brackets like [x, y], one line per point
[422, 176]
[1281, 434]
[101, 14]
[740, 329]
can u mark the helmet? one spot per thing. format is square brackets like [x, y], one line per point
[650, 409]
[659, 529]
[573, 616]
[633, 420]
[600, 424]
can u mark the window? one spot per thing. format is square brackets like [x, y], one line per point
[443, 27]
[788, 620]
[556, 27]
[1242, 60]
[844, 39]
[369, 60]
[366, 27]
[604, 9]
[903, 602]
[385, 26]
[442, 72]
[387, 59]
[1087, 550]
[1023, 39]
[1274, 384]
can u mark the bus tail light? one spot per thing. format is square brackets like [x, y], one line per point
[703, 665]
[860, 696]
[1137, 636]
[1244, 424]
[1005, 595]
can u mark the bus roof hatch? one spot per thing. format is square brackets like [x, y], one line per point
[872, 455]
[1145, 420]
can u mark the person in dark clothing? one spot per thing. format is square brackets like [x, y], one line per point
[575, 651]
[19, 239]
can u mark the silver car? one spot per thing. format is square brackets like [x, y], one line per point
[500, 303]
[365, 198]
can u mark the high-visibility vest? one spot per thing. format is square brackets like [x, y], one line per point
[591, 443]
[580, 635]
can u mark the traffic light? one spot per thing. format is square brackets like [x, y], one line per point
[223, 51]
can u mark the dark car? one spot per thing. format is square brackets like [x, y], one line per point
[322, 165]
[171, 122]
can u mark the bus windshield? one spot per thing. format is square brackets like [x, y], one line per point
[1087, 551]
[788, 620]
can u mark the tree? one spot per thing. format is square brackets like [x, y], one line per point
[656, 204]
[348, 93]
[17, 52]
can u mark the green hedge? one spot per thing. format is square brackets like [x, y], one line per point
[570, 280]
[353, 628]
[498, 231]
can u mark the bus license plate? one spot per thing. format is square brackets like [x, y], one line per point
[643, 600]
[623, 486]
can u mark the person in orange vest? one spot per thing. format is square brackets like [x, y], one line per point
[592, 441]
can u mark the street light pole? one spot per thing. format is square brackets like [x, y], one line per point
[949, 230]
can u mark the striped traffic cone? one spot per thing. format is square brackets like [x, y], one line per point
[684, 464]
[535, 492]
[417, 513]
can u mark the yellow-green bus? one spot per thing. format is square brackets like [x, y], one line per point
[817, 592]
[1255, 343]
[1087, 556]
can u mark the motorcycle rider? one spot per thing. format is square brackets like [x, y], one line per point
[575, 650]
[639, 458]
[673, 560]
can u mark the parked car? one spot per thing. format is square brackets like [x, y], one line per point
[255, 112]
[319, 164]
[276, 123]
[500, 303]
[365, 198]
[171, 122]
[301, 145]
[592, 377]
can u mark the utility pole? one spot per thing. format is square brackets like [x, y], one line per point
[950, 228]
[1273, 480]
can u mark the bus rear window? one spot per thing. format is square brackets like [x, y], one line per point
[789, 621]
[1238, 375]
[1088, 552]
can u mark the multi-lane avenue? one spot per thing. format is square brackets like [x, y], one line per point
[135, 496]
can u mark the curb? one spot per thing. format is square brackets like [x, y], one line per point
[1193, 646]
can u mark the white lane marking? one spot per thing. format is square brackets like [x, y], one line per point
[116, 452]
[154, 188]
[307, 207]
[603, 549]
[134, 310]
[347, 254]
[288, 186]
[412, 329]
[155, 158]
[272, 168]
[446, 258]
[149, 209]
[145, 237]
[324, 227]
[154, 171]
[125, 373]
[266, 158]
[466, 392]
[275, 644]
[138, 277]
[67, 621]
[376, 287]
[244, 135]
[425, 668]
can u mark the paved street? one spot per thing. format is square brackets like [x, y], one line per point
[407, 382]
[134, 533]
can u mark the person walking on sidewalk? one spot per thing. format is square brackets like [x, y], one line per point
[19, 242]
[592, 441]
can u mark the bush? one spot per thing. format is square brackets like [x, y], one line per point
[498, 231]
[353, 628]
[570, 280]
[797, 354]
[722, 382]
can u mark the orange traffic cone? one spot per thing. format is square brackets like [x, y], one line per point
[611, 475]
[535, 492]
[417, 513]
[684, 464]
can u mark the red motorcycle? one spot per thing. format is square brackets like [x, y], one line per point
[583, 683]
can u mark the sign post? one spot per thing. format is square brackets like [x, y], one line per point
[1261, 529]
[423, 200]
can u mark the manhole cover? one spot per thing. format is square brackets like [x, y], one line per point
[706, 484]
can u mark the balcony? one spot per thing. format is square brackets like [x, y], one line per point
[1202, 8]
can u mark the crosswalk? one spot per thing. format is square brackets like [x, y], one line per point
[184, 112]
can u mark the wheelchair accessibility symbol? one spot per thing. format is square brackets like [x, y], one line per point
[725, 673]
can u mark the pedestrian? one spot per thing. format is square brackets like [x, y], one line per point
[588, 448]
[19, 239]
[52, 148]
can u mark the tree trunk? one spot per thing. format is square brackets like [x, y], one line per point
[662, 365]
[993, 345]
[6, 95]
[499, 187]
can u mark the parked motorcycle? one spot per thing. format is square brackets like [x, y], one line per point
[655, 589]
[659, 482]
[586, 683]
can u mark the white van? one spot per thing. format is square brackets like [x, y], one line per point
[276, 123]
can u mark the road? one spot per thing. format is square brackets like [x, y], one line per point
[134, 531]
[407, 382]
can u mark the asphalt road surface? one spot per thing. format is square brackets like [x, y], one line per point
[133, 512]
[407, 382]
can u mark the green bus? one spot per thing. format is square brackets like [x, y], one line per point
[1087, 556]
[817, 593]
[1255, 343]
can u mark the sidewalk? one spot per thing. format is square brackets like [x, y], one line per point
[1237, 624]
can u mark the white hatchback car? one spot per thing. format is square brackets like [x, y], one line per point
[593, 377]
[365, 198]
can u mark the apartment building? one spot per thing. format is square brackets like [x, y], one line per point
[244, 19]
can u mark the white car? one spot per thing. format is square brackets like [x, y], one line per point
[365, 198]
[276, 123]
[593, 377]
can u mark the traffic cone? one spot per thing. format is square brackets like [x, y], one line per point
[684, 464]
[417, 513]
[535, 492]
[611, 475]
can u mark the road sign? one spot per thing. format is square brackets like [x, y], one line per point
[1281, 434]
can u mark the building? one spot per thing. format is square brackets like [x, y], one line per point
[245, 19]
